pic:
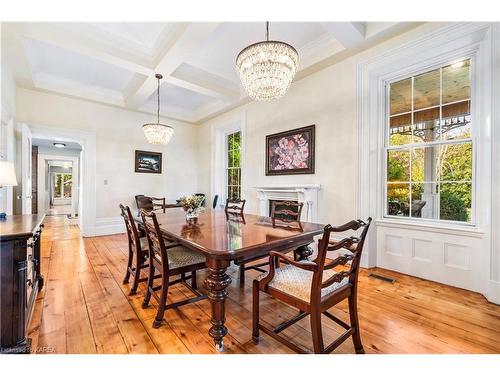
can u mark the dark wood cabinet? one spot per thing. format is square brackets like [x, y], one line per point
[20, 279]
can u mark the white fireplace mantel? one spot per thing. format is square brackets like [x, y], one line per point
[305, 193]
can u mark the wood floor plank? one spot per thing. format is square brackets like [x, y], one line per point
[85, 308]
[131, 328]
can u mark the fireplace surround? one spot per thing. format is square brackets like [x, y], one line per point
[307, 194]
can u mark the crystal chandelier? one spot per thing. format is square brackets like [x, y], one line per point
[267, 68]
[157, 133]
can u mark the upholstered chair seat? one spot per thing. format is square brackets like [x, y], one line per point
[181, 256]
[297, 282]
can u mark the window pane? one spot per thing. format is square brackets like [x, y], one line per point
[456, 82]
[236, 157]
[456, 162]
[67, 185]
[238, 176]
[400, 130]
[456, 121]
[455, 201]
[426, 91]
[400, 93]
[425, 164]
[230, 159]
[57, 185]
[426, 125]
[398, 199]
[398, 166]
[425, 200]
[237, 139]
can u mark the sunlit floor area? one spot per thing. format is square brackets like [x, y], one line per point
[59, 209]
[85, 308]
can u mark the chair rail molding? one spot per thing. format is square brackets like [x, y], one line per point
[307, 194]
[88, 195]
[436, 45]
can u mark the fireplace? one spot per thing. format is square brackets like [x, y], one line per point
[307, 194]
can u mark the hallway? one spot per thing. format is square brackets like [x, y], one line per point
[85, 308]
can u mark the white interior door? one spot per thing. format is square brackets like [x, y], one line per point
[26, 172]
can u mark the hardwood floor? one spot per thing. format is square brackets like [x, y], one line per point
[85, 308]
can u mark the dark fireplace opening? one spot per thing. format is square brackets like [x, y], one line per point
[280, 207]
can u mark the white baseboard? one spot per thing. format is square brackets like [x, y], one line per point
[109, 225]
[493, 294]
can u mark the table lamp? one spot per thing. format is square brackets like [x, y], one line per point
[7, 178]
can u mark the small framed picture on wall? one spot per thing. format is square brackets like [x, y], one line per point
[290, 152]
[147, 161]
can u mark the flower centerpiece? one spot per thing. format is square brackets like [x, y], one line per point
[192, 204]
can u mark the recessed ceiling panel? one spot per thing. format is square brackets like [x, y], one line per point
[55, 61]
[218, 54]
[175, 96]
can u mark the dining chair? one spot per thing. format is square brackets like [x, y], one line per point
[235, 206]
[137, 250]
[313, 287]
[285, 214]
[150, 203]
[169, 259]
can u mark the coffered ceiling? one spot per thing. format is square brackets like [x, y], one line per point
[115, 63]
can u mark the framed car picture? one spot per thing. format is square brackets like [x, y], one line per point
[290, 152]
[147, 161]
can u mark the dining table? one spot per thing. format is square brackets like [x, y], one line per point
[223, 239]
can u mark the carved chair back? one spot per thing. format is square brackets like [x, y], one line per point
[352, 247]
[235, 206]
[148, 203]
[132, 232]
[157, 248]
[286, 212]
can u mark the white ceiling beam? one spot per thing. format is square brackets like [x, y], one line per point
[199, 80]
[348, 34]
[185, 44]
[51, 35]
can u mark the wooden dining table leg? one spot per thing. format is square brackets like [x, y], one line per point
[216, 284]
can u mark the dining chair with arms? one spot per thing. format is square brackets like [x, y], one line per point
[285, 214]
[313, 287]
[169, 259]
[150, 203]
[137, 250]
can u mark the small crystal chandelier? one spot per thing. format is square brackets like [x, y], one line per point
[157, 133]
[267, 68]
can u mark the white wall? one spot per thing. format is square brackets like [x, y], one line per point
[326, 99]
[118, 135]
[8, 118]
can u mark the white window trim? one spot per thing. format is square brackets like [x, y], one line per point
[430, 42]
[473, 139]
[445, 44]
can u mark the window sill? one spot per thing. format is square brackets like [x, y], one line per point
[456, 230]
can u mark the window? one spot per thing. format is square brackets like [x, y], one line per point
[62, 185]
[233, 165]
[429, 145]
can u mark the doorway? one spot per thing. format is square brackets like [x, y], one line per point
[58, 177]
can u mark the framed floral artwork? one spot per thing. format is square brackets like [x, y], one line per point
[290, 152]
